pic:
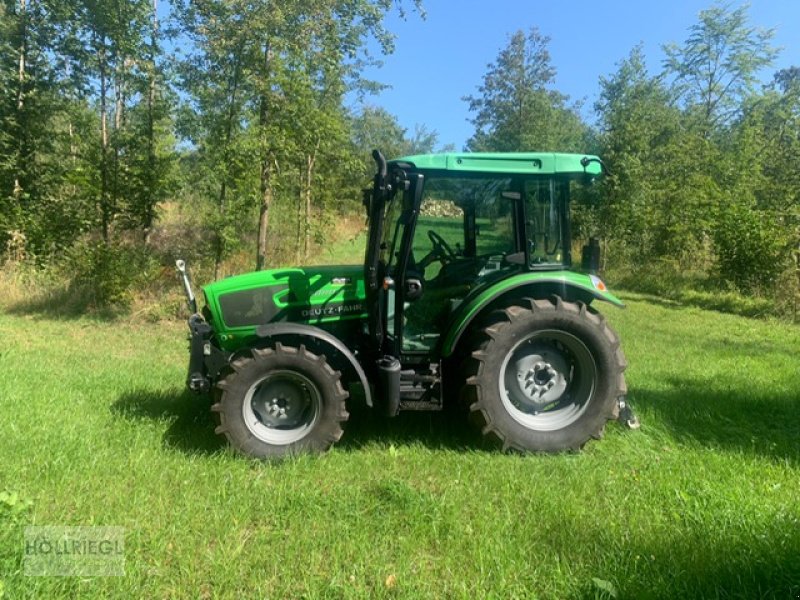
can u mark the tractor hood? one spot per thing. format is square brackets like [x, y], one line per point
[313, 295]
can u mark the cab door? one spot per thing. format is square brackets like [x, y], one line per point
[466, 234]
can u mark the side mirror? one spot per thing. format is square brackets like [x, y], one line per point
[590, 256]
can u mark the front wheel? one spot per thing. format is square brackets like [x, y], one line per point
[281, 401]
[545, 377]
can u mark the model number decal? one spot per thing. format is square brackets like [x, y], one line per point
[332, 311]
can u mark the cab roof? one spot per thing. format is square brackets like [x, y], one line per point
[533, 163]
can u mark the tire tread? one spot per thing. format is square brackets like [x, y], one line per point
[474, 366]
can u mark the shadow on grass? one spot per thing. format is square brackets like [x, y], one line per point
[703, 564]
[752, 421]
[762, 565]
[433, 430]
[765, 425]
[191, 423]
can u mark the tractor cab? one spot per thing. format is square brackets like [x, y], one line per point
[443, 227]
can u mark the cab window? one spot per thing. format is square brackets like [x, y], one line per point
[545, 201]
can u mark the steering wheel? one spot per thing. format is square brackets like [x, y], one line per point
[441, 249]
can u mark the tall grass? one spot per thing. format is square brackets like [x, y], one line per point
[129, 278]
[666, 280]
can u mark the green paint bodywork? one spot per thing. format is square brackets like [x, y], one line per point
[465, 313]
[513, 163]
[330, 295]
[313, 295]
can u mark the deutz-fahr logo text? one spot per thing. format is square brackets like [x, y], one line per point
[332, 311]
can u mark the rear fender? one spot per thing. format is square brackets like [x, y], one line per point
[568, 285]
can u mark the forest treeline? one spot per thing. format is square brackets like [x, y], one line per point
[221, 131]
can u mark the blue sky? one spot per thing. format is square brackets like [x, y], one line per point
[442, 58]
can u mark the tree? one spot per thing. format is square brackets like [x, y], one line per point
[758, 235]
[718, 64]
[376, 128]
[516, 109]
[780, 114]
[213, 119]
[638, 130]
[423, 140]
[269, 48]
[714, 75]
[35, 206]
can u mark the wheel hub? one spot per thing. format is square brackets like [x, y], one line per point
[280, 403]
[547, 380]
[282, 407]
[541, 376]
[276, 408]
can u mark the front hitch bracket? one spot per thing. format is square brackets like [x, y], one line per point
[199, 347]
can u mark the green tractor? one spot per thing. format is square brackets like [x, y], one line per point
[466, 298]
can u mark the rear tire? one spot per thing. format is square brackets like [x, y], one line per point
[281, 401]
[545, 376]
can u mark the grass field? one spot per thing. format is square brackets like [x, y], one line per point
[703, 501]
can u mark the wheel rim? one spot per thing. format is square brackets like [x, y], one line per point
[547, 380]
[282, 407]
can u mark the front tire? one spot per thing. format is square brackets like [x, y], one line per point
[281, 401]
[546, 376]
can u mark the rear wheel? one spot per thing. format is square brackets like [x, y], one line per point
[545, 376]
[281, 401]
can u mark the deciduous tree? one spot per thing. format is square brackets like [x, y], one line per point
[517, 109]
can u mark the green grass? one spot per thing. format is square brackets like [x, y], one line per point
[703, 501]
